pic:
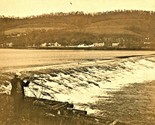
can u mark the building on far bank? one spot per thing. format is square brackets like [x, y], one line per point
[99, 44]
[9, 44]
[115, 44]
[147, 45]
[56, 44]
[83, 45]
[5, 45]
[43, 45]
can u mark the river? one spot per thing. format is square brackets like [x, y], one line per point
[26, 58]
[81, 77]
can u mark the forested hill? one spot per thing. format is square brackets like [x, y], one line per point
[130, 29]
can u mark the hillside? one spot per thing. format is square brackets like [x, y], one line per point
[130, 29]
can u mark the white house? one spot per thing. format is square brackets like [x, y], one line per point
[81, 45]
[147, 43]
[98, 44]
[43, 45]
[56, 44]
[116, 44]
[9, 44]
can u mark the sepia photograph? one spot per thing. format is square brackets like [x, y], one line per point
[77, 62]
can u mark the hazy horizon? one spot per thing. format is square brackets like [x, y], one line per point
[24, 8]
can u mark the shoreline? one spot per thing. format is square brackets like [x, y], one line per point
[81, 48]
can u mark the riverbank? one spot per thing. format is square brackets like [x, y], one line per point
[82, 48]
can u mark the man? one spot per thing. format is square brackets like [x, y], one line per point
[17, 91]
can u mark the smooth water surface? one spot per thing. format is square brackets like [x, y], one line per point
[25, 57]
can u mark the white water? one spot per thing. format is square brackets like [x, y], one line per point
[85, 83]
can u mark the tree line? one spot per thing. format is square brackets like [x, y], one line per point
[73, 26]
[36, 38]
[74, 13]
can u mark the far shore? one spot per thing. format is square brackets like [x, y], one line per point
[82, 48]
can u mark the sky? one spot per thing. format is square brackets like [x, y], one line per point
[23, 8]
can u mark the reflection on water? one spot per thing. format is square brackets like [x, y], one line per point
[22, 57]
